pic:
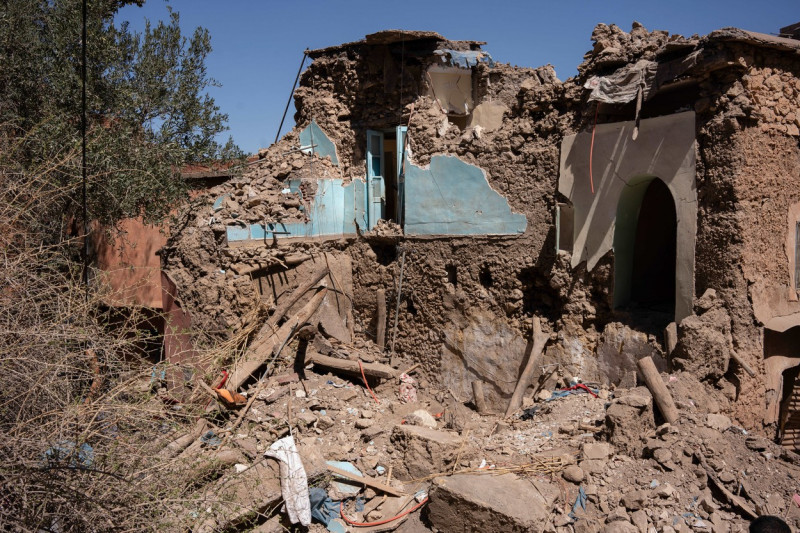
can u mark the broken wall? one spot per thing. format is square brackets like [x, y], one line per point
[477, 255]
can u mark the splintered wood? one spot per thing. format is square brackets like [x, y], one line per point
[538, 466]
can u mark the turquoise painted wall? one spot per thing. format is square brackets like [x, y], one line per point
[451, 197]
[324, 146]
[334, 211]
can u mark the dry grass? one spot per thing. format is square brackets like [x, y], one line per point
[80, 427]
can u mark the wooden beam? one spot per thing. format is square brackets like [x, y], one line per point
[368, 481]
[374, 370]
[478, 396]
[287, 304]
[661, 395]
[539, 340]
[381, 335]
[261, 350]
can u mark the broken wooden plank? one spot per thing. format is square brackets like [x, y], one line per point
[368, 481]
[261, 350]
[657, 388]
[374, 370]
[539, 340]
[287, 304]
[381, 333]
[732, 498]
[747, 368]
[181, 443]
[478, 396]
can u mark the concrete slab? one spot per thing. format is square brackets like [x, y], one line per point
[483, 502]
[425, 451]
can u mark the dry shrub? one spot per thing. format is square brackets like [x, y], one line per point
[80, 428]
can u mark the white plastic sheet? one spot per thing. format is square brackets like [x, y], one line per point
[294, 483]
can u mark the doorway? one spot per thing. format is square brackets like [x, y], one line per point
[645, 248]
[385, 174]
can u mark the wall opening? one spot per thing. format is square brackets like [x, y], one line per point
[485, 277]
[384, 169]
[782, 364]
[452, 275]
[645, 249]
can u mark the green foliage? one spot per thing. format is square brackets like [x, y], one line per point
[149, 113]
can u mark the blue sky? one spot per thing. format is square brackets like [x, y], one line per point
[258, 45]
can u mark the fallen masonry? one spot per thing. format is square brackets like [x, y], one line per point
[466, 296]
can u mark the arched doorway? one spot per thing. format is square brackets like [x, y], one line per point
[645, 244]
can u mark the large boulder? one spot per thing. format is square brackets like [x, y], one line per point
[629, 418]
[483, 502]
[619, 350]
[704, 340]
[424, 451]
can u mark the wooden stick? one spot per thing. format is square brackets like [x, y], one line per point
[97, 382]
[381, 335]
[661, 395]
[408, 370]
[368, 481]
[478, 396]
[740, 361]
[261, 350]
[375, 370]
[734, 499]
[539, 340]
[181, 443]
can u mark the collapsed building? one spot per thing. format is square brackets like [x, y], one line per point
[648, 206]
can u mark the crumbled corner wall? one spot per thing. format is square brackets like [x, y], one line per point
[749, 160]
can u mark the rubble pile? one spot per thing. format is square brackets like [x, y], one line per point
[574, 457]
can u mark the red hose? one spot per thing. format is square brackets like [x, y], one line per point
[365, 382]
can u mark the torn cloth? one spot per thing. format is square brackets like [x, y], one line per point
[294, 484]
[323, 509]
[408, 393]
[579, 505]
[625, 84]
[575, 389]
[631, 82]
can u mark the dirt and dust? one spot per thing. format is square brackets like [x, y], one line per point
[585, 458]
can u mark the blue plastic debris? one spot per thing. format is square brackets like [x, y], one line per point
[464, 58]
[157, 376]
[577, 389]
[82, 455]
[344, 486]
[210, 439]
[218, 202]
[323, 509]
[580, 503]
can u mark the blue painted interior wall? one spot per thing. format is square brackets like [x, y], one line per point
[451, 197]
[334, 211]
[312, 135]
